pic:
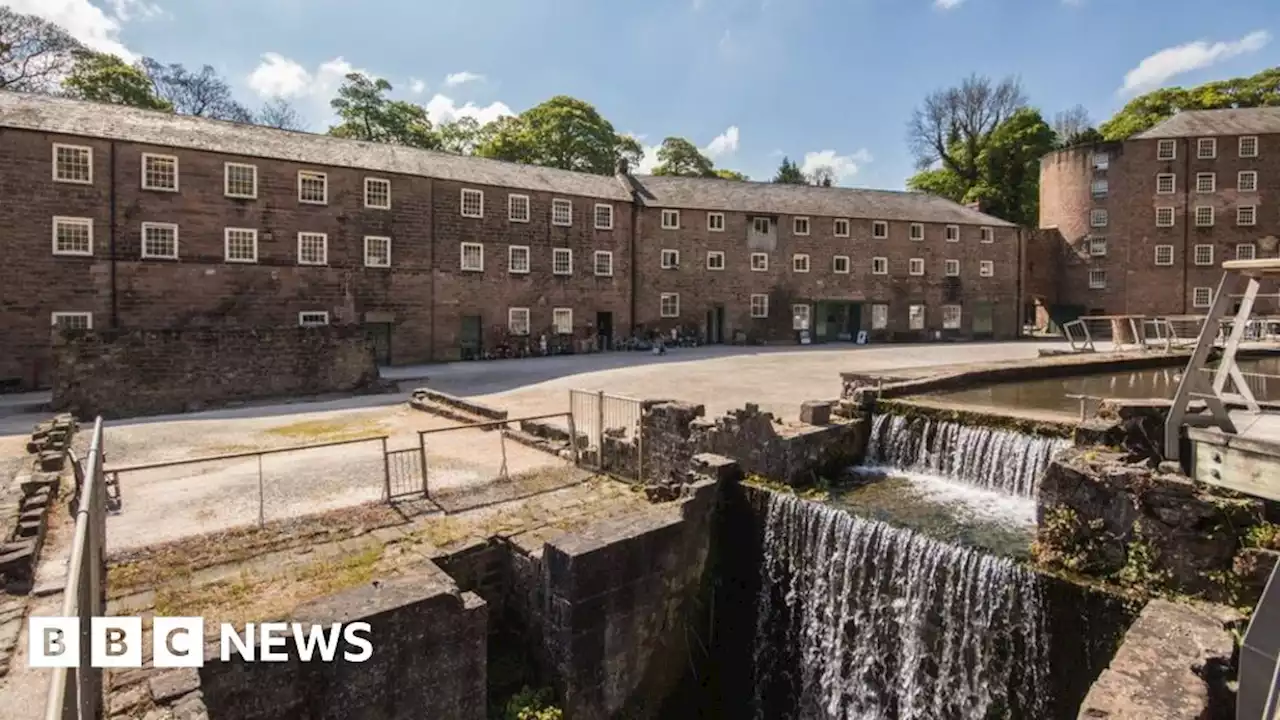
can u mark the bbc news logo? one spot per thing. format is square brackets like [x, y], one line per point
[116, 642]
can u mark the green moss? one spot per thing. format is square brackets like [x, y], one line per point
[1141, 571]
[907, 408]
[530, 704]
[1264, 535]
[818, 491]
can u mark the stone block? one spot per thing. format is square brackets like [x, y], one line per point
[172, 684]
[127, 699]
[815, 412]
[51, 461]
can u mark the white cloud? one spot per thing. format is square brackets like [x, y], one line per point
[1155, 70]
[723, 145]
[946, 4]
[126, 10]
[442, 109]
[844, 166]
[416, 86]
[85, 22]
[309, 90]
[461, 78]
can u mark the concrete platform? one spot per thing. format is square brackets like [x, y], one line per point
[1247, 462]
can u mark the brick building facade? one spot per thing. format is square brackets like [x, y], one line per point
[118, 217]
[1142, 226]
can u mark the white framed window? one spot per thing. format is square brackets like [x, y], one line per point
[518, 321]
[1246, 215]
[72, 320]
[1164, 217]
[1249, 146]
[1246, 251]
[1204, 255]
[917, 231]
[879, 316]
[670, 219]
[800, 317]
[951, 315]
[313, 248]
[1098, 217]
[669, 305]
[1098, 246]
[800, 225]
[1100, 187]
[715, 259]
[471, 203]
[471, 257]
[73, 164]
[879, 266]
[1204, 216]
[840, 264]
[953, 233]
[915, 266]
[561, 212]
[160, 172]
[1164, 254]
[1101, 161]
[759, 262]
[1201, 297]
[240, 180]
[377, 251]
[988, 235]
[840, 228]
[1097, 279]
[604, 216]
[603, 262]
[1167, 150]
[377, 193]
[313, 318]
[1166, 184]
[715, 222]
[879, 229]
[72, 236]
[1207, 148]
[760, 225]
[517, 259]
[800, 263]
[561, 261]
[759, 306]
[240, 245]
[1206, 183]
[952, 268]
[160, 240]
[562, 321]
[1247, 181]
[313, 187]
[517, 208]
[986, 268]
[670, 259]
[915, 317]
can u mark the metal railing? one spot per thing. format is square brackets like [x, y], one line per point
[609, 427]
[76, 693]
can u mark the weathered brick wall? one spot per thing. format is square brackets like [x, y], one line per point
[144, 372]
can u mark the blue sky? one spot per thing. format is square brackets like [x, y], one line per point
[823, 81]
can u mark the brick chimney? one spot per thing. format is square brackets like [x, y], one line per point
[623, 167]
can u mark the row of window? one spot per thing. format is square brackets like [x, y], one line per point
[518, 209]
[669, 307]
[519, 260]
[800, 225]
[1204, 216]
[84, 320]
[1207, 148]
[1201, 254]
[1206, 182]
[800, 262]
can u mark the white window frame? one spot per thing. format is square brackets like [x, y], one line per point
[1212, 185]
[835, 264]
[759, 305]
[986, 268]
[320, 318]
[373, 182]
[669, 259]
[78, 221]
[77, 149]
[762, 267]
[987, 235]
[1100, 187]
[478, 196]
[1098, 217]
[324, 247]
[1256, 146]
[1211, 144]
[670, 219]
[953, 233]
[952, 317]
[159, 226]
[1173, 183]
[1253, 215]
[796, 223]
[147, 158]
[1252, 184]
[369, 242]
[519, 250]
[512, 205]
[558, 324]
[1097, 245]
[713, 226]
[879, 229]
[1097, 279]
[596, 257]
[608, 216]
[882, 263]
[801, 316]
[1170, 212]
[313, 175]
[556, 254]
[1252, 253]
[916, 232]
[951, 267]
[718, 254]
[1167, 252]
[462, 256]
[836, 224]
[1101, 160]
[915, 266]
[88, 319]
[226, 180]
[755, 225]
[916, 320]
[1201, 292]
[674, 298]
[1213, 215]
[561, 212]
[879, 316]
[800, 263]
[521, 327]
[1203, 255]
[1166, 150]
[226, 244]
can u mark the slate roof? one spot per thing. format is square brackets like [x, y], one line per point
[1208, 123]
[764, 197]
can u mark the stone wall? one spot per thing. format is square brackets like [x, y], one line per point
[142, 372]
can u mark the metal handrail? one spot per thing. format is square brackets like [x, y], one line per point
[244, 454]
[491, 423]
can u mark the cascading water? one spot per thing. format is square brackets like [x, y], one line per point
[859, 619]
[989, 458]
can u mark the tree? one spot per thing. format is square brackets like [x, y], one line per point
[464, 135]
[107, 78]
[1146, 111]
[730, 175]
[280, 113]
[565, 133]
[1073, 127]
[953, 125]
[367, 114]
[202, 94]
[823, 175]
[789, 173]
[678, 156]
[34, 53]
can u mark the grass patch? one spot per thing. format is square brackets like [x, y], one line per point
[312, 431]
[332, 576]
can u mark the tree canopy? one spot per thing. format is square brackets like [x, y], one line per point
[563, 132]
[1146, 111]
[730, 175]
[789, 173]
[366, 113]
[107, 78]
[202, 94]
[678, 156]
[34, 53]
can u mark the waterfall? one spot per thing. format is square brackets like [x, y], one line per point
[859, 619]
[1004, 460]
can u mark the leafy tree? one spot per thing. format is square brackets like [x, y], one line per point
[678, 156]
[954, 125]
[202, 94]
[464, 135]
[1073, 127]
[1146, 111]
[823, 175]
[280, 113]
[730, 175]
[563, 132]
[789, 173]
[367, 114]
[34, 53]
[107, 78]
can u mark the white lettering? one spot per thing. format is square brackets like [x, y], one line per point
[307, 645]
[272, 635]
[244, 646]
[349, 633]
[116, 642]
[53, 641]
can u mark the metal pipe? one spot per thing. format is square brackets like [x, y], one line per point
[234, 456]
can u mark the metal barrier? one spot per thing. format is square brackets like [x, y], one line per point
[76, 693]
[610, 432]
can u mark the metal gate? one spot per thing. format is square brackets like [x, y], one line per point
[608, 430]
[405, 473]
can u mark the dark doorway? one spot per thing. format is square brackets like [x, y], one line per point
[380, 334]
[715, 325]
[470, 338]
[604, 330]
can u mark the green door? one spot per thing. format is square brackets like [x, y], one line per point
[470, 338]
[982, 320]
